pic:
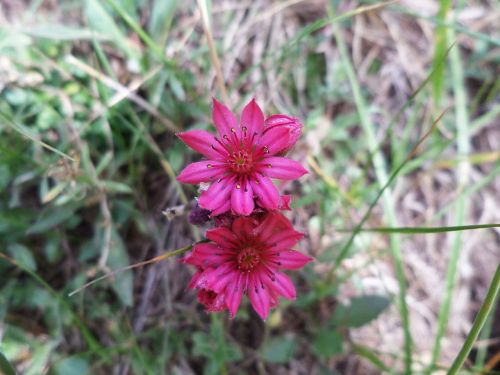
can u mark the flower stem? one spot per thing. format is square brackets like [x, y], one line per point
[481, 317]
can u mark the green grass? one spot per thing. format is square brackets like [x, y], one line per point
[93, 94]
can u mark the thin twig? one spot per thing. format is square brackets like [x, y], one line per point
[202, 5]
[158, 258]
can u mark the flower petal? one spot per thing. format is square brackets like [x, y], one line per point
[218, 278]
[284, 239]
[281, 168]
[273, 222]
[223, 119]
[203, 142]
[265, 191]
[222, 209]
[275, 140]
[281, 284]
[217, 194]
[290, 260]
[242, 198]
[234, 293]
[208, 255]
[223, 237]
[284, 203]
[243, 226]
[291, 123]
[252, 119]
[201, 171]
[259, 296]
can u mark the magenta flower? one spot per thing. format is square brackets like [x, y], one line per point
[247, 258]
[242, 160]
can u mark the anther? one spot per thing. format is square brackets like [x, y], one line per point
[238, 186]
[209, 166]
[269, 165]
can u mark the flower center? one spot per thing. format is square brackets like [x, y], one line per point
[241, 161]
[247, 259]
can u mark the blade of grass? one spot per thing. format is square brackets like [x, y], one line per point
[142, 34]
[461, 206]
[482, 351]
[5, 367]
[449, 25]
[439, 51]
[23, 131]
[416, 230]
[382, 178]
[478, 324]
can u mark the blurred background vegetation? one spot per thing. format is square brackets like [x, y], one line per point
[91, 94]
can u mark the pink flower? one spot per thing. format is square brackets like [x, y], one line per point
[247, 258]
[241, 161]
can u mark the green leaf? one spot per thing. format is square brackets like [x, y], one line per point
[117, 187]
[22, 255]
[278, 350]
[61, 32]
[162, 14]
[5, 367]
[328, 343]
[72, 366]
[360, 311]
[52, 216]
[118, 258]
[101, 21]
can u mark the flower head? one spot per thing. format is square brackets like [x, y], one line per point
[247, 258]
[242, 159]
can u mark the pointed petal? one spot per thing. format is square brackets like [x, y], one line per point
[234, 293]
[242, 198]
[219, 276]
[201, 171]
[217, 194]
[220, 283]
[284, 203]
[222, 209]
[203, 142]
[273, 222]
[252, 119]
[293, 125]
[265, 191]
[275, 140]
[209, 255]
[289, 260]
[284, 240]
[243, 226]
[281, 168]
[223, 119]
[223, 237]
[281, 284]
[259, 296]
